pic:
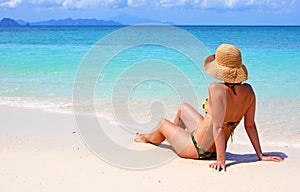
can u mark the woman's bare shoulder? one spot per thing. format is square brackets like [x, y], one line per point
[247, 85]
[248, 88]
[215, 85]
[216, 88]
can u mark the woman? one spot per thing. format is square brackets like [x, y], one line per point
[197, 137]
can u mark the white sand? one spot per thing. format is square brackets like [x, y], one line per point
[40, 152]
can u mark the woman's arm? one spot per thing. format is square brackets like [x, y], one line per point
[251, 130]
[253, 136]
[217, 99]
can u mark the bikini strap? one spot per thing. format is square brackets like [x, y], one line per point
[232, 86]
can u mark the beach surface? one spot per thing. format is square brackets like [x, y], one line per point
[43, 151]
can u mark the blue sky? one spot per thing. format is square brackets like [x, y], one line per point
[237, 12]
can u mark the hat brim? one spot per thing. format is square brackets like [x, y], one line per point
[223, 73]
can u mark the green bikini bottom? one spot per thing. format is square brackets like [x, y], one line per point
[203, 155]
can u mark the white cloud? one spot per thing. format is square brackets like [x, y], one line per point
[267, 5]
[136, 3]
[10, 4]
[78, 4]
[116, 4]
[231, 3]
[179, 3]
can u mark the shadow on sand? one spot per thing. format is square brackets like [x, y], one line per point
[237, 158]
[248, 158]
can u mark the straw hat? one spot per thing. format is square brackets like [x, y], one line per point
[226, 64]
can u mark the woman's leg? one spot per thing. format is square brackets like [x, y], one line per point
[188, 117]
[155, 136]
[178, 138]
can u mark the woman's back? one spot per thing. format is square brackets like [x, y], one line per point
[237, 99]
[238, 104]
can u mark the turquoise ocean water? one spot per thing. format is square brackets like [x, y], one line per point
[38, 66]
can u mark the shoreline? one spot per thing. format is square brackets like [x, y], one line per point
[275, 124]
[42, 151]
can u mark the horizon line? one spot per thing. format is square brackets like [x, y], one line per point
[159, 23]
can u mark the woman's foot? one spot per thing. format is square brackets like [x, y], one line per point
[140, 138]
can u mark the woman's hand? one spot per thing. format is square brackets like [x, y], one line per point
[219, 166]
[271, 158]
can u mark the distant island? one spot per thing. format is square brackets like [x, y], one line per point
[133, 20]
[122, 19]
[76, 22]
[8, 22]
